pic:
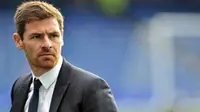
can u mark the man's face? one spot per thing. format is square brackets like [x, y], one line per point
[42, 43]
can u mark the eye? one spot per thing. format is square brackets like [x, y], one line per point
[35, 36]
[53, 35]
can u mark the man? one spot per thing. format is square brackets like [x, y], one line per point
[54, 85]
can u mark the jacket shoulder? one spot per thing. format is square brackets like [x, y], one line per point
[83, 76]
[17, 83]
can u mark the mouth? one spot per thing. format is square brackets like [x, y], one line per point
[46, 54]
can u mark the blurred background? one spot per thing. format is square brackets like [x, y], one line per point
[147, 50]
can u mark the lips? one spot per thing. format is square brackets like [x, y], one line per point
[46, 54]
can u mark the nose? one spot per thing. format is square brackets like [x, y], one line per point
[46, 44]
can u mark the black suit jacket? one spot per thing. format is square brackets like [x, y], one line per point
[76, 90]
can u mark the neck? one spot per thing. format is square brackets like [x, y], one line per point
[39, 71]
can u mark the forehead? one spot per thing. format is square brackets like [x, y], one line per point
[45, 25]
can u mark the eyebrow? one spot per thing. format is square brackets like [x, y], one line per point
[37, 33]
[53, 32]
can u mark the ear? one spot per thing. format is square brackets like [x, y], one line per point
[62, 41]
[18, 41]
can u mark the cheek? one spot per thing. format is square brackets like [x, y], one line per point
[58, 49]
[31, 50]
[58, 46]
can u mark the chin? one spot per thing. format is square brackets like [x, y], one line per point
[48, 64]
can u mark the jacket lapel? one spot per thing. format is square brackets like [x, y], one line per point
[21, 95]
[62, 84]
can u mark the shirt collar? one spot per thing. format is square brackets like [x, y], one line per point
[49, 77]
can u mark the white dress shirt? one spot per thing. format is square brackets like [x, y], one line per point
[48, 81]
